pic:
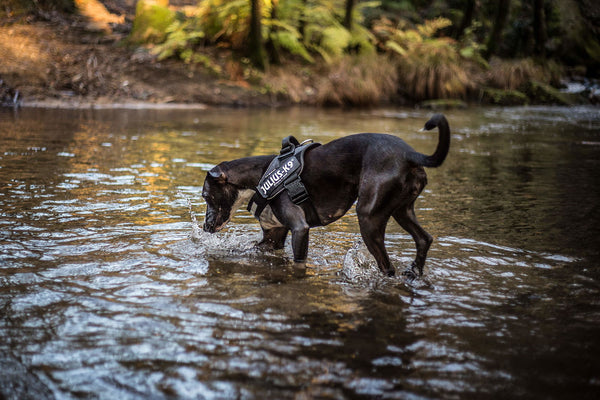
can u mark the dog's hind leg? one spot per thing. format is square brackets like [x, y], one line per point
[408, 220]
[372, 229]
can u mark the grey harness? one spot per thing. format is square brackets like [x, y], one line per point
[283, 174]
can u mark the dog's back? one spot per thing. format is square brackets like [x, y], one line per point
[337, 172]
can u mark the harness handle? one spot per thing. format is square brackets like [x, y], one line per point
[288, 146]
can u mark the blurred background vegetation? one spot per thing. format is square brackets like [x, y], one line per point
[366, 52]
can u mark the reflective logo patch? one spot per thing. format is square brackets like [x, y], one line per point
[273, 179]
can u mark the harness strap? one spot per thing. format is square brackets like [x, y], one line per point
[257, 205]
[296, 190]
[290, 159]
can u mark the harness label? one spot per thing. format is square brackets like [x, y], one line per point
[273, 179]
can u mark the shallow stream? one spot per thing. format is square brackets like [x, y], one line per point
[109, 290]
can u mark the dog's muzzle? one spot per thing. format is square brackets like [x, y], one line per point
[213, 223]
[210, 222]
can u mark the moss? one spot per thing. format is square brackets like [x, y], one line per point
[541, 93]
[504, 97]
[152, 18]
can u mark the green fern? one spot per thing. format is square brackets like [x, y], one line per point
[335, 39]
[291, 42]
[301, 28]
[429, 66]
[180, 36]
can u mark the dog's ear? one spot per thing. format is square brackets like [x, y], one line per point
[218, 174]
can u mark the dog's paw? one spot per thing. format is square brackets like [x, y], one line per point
[264, 246]
[410, 274]
[299, 270]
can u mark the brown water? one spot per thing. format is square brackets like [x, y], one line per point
[108, 290]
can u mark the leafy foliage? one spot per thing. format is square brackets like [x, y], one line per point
[290, 40]
[302, 28]
[429, 62]
[152, 21]
[429, 66]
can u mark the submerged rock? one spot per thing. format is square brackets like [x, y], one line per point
[584, 89]
[9, 96]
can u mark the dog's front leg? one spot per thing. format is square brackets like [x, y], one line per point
[300, 243]
[273, 238]
[292, 216]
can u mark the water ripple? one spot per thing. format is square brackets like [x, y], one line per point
[110, 289]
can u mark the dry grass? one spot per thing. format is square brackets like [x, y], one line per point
[24, 54]
[358, 81]
[434, 70]
[349, 81]
[291, 84]
[513, 74]
[429, 67]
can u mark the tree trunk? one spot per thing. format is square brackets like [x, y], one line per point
[467, 18]
[499, 23]
[257, 55]
[539, 28]
[302, 22]
[272, 49]
[348, 17]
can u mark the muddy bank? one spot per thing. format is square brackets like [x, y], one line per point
[58, 62]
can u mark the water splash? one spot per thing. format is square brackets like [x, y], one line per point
[360, 269]
[196, 233]
[236, 239]
[358, 265]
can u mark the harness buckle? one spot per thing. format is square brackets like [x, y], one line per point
[296, 190]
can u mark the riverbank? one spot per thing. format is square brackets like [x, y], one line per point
[75, 61]
[58, 62]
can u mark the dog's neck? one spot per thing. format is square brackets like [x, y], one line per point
[246, 172]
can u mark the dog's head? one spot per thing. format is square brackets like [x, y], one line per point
[222, 197]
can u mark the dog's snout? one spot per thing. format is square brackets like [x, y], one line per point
[210, 228]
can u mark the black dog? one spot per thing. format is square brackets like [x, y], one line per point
[383, 172]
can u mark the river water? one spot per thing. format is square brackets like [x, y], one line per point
[108, 289]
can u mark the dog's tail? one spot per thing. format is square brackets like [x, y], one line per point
[438, 157]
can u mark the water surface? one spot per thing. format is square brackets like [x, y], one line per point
[108, 290]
